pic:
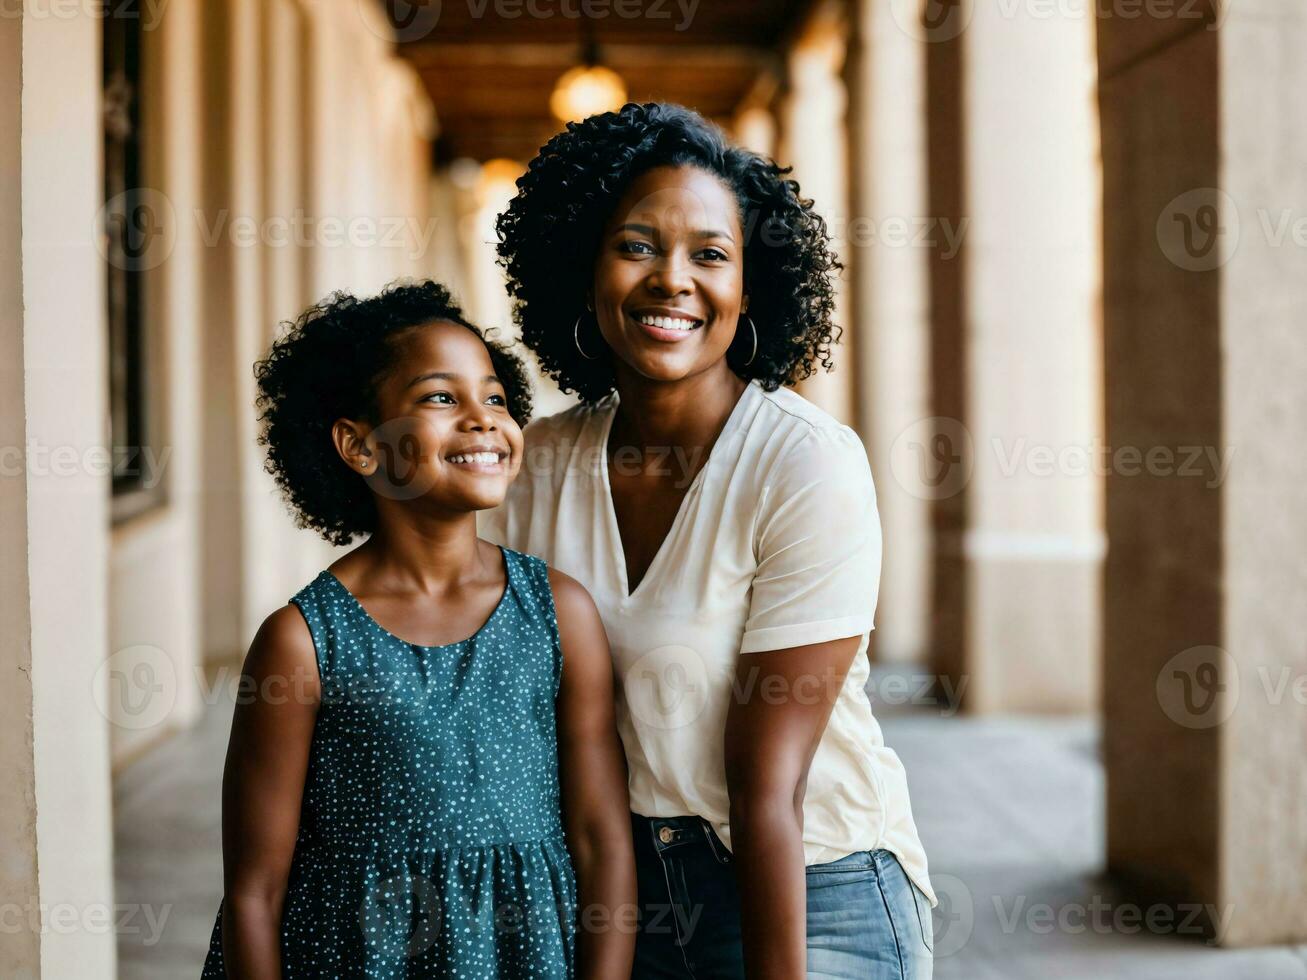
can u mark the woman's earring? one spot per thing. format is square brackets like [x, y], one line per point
[754, 353]
[576, 339]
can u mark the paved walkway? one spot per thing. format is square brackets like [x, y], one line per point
[1010, 811]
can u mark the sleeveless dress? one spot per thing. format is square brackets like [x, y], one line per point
[431, 838]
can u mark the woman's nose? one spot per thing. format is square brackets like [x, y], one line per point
[671, 277]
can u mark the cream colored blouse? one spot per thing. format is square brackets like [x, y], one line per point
[776, 544]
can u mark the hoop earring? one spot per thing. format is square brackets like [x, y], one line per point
[754, 353]
[576, 339]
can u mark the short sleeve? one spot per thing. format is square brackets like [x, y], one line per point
[818, 545]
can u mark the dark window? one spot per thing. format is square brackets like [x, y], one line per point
[128, 231]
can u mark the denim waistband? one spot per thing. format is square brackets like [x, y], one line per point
[665, 834]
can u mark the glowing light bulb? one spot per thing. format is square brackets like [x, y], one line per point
[585, 90]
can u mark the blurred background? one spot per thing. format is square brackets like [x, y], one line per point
[1075, 237]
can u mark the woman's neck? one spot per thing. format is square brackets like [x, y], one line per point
[687, 413]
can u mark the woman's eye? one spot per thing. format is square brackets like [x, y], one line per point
[637, 248]
[714, 254]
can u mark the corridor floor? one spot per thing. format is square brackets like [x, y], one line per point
[1009, 809]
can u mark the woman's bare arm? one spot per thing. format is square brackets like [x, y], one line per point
[596, 808]
[773, 726]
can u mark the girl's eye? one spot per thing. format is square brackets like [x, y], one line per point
[715, 254]
[436, 395]
[498, 400]
[636, 247]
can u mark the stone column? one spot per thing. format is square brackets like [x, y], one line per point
[56, 876]
[1010, 457]
[1205, 235]
[20, 953]
[889, 300]
[236, 597]
[813, 119]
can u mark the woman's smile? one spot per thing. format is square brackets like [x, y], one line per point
[665, 325]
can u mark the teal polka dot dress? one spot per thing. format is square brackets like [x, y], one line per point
[431, 838]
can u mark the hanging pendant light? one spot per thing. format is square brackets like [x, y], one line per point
[589, 87]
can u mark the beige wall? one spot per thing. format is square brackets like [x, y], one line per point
[1206, 586]
[20, 952]
[64, 393]
[291, 147]
[87, 605]
[1264, 417]
[812, 122]
[1016, 369]
[889, 306]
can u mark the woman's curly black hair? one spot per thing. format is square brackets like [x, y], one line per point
[549, 235]
[326, 366]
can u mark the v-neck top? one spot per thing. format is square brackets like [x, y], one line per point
[776, 544]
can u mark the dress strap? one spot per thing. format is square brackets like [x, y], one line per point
[321, 610]
[538, 596]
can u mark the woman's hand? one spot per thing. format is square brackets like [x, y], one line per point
[780, 704]
[262, 787]
[596, 808]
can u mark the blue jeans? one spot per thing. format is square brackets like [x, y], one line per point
[866, 919]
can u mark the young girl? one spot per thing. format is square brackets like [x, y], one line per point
[427, 730]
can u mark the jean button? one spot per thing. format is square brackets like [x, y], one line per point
[665, 835]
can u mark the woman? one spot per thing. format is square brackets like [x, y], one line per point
[727, 530]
